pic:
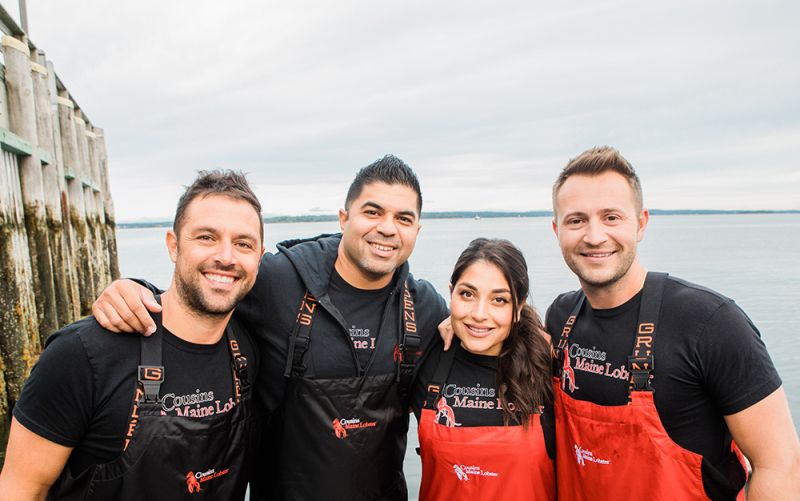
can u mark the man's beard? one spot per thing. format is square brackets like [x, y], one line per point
[191, 294]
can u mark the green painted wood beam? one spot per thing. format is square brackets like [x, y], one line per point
[15, 144]
[69, 173]
[87, 182]
[44, 157]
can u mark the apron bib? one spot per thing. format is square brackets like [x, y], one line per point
[483, 462]
[173, 457]
[622, 452]
[344, 439]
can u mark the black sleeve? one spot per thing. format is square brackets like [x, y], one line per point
[57, 400]
[737, 369]
[147, 285]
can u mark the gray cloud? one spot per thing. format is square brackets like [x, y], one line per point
[487, 101]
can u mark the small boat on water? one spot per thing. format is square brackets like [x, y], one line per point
[477, 217]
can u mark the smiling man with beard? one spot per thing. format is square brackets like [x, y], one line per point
[105, 416]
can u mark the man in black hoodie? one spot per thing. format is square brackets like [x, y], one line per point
[341, 325]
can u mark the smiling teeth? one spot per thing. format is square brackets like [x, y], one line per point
[381, 247]
[599, 255]
[475, 329]
[220, 278]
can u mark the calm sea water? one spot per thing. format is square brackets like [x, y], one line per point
[751, 258]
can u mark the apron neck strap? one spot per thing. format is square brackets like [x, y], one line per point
[560, 350]
[301, 338]
[641, 362]
[436, 386]
[151, 371]
[409, 345]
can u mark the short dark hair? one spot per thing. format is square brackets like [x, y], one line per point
[598, 161]
[228, 183]
[389, 170]
[524, 367]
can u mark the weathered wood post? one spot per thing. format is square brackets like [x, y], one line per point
[52, 193]
[101, 244]
[22, 117]
[108, 205]
[19, 326]
[93, 238]
[69, 242]
[77, 207]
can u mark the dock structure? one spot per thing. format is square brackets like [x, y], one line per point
[57, 228]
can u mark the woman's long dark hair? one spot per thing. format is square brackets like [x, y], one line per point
[524, 368]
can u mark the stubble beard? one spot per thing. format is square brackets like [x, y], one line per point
[190, 294]
[376, 270]
[601, 283]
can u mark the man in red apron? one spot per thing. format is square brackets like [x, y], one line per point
[341, 324]
[661, 384]
[165, 417]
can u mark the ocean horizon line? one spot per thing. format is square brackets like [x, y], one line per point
[461, 215]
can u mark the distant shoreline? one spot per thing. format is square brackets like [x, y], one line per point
[465, 215]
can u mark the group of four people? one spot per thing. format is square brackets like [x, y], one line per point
[662, 388]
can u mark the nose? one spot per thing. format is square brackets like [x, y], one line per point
[480, 311]
[386, 226]
[224, 251]
[595, 233]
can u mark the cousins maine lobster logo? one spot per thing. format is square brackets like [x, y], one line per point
[192, 483]
[339, 429]
[340, 426]
[193, 480]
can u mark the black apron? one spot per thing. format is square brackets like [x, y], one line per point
[344, 439]
[173, 457]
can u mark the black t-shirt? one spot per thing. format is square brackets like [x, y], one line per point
[80, 393]
[709, 360]
[363, 310]
[471, 393]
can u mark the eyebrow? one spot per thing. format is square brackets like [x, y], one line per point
[607, 210]
[378, 206]
[215, 231]
[495, 291]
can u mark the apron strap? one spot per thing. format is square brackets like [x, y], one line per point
[300, 339]
[241, 377]
[559, 350]
[409, 345]
[641, 362]
[151, 370]
[439, 379]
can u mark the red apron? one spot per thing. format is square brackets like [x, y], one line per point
[483, 462]
[622, 452]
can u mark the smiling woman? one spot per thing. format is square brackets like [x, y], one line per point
[480, 403]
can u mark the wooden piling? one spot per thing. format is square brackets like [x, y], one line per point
[103, 272]
[19, 327]
[69, 242]
[77, 207]
[52, 194]
[57, 231]
[108, 205]
[22, 118]
[92, 222]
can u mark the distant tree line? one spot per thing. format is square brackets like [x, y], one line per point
[470, 215]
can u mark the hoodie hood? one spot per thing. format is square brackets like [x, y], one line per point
[314, 260]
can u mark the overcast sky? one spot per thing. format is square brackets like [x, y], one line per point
[485, 100]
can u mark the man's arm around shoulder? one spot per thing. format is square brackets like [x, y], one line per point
[32, 465]
[766, 435]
